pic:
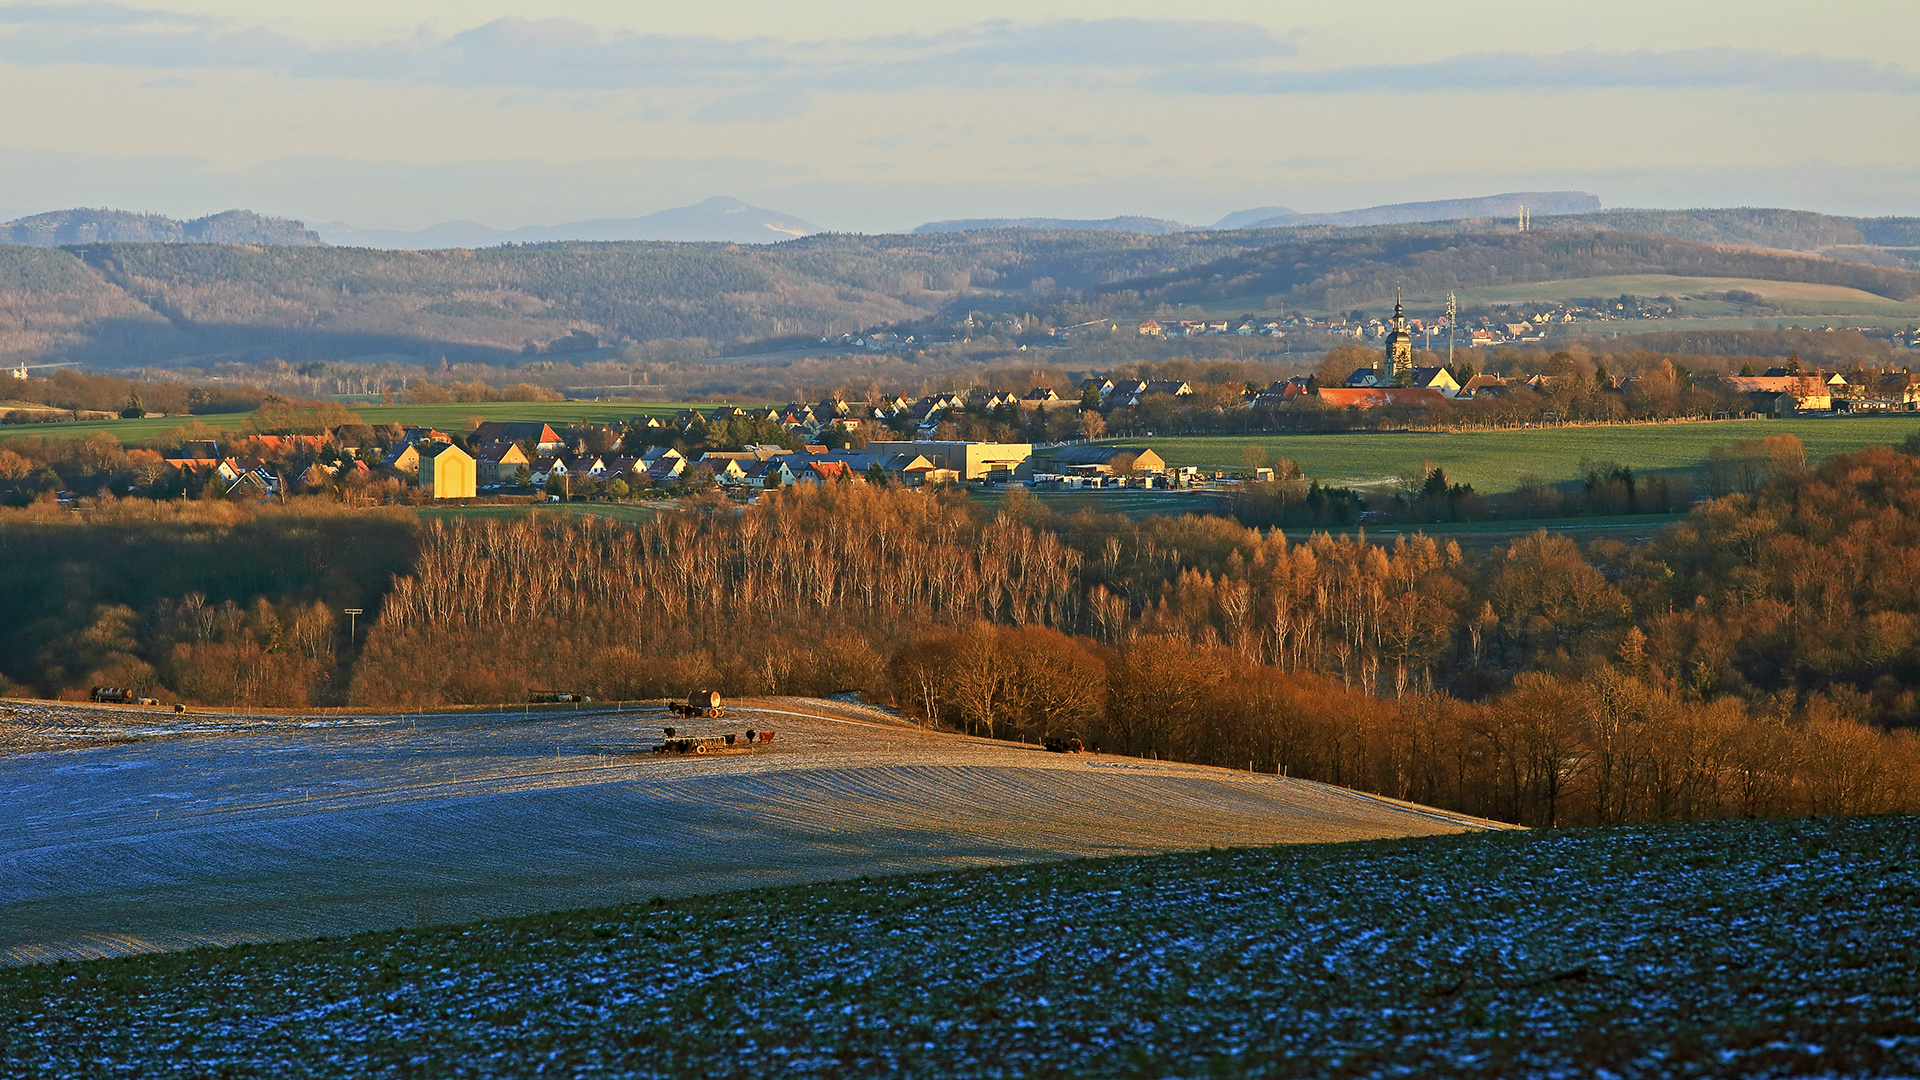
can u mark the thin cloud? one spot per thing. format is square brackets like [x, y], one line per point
[565, 53]
[93, 14]
[746, 76]
[1753, 69]
[1136, 43]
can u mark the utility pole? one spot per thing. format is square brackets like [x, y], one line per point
[353, 623]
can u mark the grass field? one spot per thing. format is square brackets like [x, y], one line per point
[1791, 298]
[1499, 461]
[446, 417]
[1736, 949]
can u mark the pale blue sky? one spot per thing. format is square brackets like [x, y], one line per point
[876, 117]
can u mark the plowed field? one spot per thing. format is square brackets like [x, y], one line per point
[137, 830]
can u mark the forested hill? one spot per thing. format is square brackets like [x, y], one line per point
[1339, 271]
[133, 304]
[63, 227]
[1883, 241]
[147, 303]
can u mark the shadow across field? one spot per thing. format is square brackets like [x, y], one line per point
[213, 828]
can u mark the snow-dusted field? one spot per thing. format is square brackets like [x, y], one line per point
[130, 830]
[1768, 949]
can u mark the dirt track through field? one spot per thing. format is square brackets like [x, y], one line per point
[210, 829]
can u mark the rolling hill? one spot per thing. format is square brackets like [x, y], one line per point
[1145, 225]
[124, 304]
[1339, 271]
[1541, 203]
[719, 219]
[62, 227]
[139, 831]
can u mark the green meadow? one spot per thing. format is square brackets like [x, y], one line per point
[1501, 461]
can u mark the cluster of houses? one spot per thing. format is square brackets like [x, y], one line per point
[500, 456]
[503, 457]
[253, 464]
[1784, 391]
[446, 471]
[923, 415]
[1778, 392]
[1481, 333]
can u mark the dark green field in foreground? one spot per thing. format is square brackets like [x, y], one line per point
[1736, 949]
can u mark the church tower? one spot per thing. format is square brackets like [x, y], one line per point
[1400, 345]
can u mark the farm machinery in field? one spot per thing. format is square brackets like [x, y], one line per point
[114, 695]
[700, 703]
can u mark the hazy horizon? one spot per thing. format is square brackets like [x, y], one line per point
[865, 118]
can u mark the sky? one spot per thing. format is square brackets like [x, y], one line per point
[875, 117]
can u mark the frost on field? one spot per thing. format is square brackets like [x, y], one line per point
[1730, 949]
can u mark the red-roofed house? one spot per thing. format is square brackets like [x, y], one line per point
[1376, 397]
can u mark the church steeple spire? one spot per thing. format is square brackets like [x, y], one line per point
[1400, 344]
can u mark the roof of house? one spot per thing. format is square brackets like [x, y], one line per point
[1809, 385]
[1088, 454]
[499, 452]
[1373, 397]
[430, 451]
[267, 444]
[515, 431]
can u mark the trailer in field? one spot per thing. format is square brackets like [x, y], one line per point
[117, 696]
[699, 703]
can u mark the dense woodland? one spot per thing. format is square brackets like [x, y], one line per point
[1751, 660]
[1540, 683]
[205, 601]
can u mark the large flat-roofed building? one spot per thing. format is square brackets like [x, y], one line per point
[972, 460]
[1090, 459]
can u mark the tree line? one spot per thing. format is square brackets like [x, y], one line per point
[1411, 669]
[1761, 657]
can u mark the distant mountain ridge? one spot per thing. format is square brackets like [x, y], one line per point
[1146, 225]
[720, 219]
[90, 226]
[1541, 203]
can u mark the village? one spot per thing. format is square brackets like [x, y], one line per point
[509, 458]
[1484, 327]
[915, 443]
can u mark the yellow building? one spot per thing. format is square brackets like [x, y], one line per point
[500, 463]
[971, 460]
[446, 472]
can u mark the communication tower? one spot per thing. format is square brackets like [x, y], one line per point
[1452, 311]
